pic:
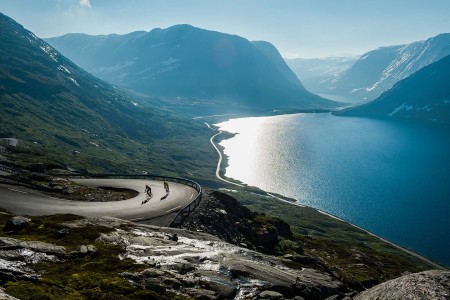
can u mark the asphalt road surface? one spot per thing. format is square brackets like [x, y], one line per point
[26, 201]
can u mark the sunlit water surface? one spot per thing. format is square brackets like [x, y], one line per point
[392, 178]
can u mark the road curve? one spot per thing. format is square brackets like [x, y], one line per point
[219, 163]
[26, 201]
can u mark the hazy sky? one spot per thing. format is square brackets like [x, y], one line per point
[298, 28]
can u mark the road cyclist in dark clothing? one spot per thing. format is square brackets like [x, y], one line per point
[148, 191]
[166, 186]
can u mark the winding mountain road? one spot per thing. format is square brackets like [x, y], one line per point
[26, 201]
[219, 163]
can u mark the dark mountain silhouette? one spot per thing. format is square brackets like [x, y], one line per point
[185, 61]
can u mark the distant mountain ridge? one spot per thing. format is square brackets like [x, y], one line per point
[425, 95]
[59, 108]
[185, 61]
[378, 70]
[317, 73]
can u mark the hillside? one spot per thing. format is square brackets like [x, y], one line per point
[54, 107]
[378, 70]
[71, 257]
[425, 95]
[189, 62]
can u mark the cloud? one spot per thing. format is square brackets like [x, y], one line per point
[85, 3]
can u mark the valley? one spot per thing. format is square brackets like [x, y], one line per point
[299, 178]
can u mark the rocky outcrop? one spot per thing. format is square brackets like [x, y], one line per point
[7, 243]
[223, 216]
[15, 271]
[202, 266]
[4, 296]
[433, 284]
[192, 264]
[17, 256]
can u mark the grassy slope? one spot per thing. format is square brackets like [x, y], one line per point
[56, 108]
[356, 256]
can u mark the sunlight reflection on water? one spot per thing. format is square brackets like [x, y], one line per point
[388, 177]
[258, 166]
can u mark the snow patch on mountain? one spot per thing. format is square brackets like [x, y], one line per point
[49, 50]
[63, 69]
[401, 107]
[378, 70]
[74, 81]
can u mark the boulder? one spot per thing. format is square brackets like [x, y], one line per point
[16, 223]
[86, 249]
[433, 284]
[270, 295]
[83, 249]
[224, 288]
[91, 249]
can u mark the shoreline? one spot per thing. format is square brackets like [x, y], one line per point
[219, 163]
[410, 252]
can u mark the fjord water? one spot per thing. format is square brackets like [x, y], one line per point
[391, 178]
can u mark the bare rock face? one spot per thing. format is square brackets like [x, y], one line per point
[4, 296]
[17, 256]
[7, 243]
[433, 284]
[202, 266]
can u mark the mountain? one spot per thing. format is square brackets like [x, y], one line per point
[60, 110]
[378, 70]
[317, 73]
[425, 95]
[185, 61]
[271, 53]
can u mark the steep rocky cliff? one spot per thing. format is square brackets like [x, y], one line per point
[223, 216]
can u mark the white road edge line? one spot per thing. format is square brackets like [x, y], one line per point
[192, 195]
[19, 191]
[179, 206]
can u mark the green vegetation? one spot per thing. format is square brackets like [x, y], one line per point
[187, 155]
[62, 114]
[94, 276]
